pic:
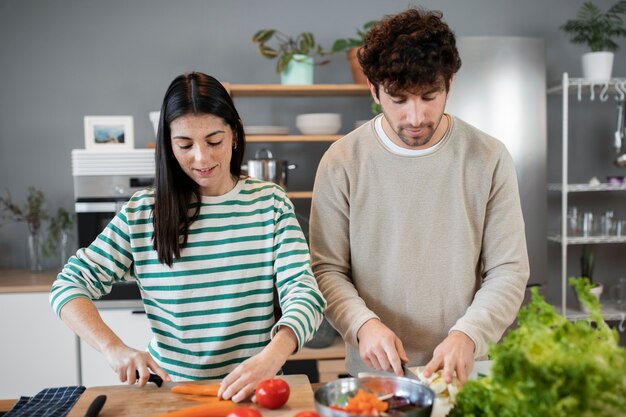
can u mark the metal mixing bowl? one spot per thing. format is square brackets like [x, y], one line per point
[336, 391]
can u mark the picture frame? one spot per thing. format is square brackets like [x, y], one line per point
[109, 133]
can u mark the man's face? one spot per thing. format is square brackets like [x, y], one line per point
[413, 120]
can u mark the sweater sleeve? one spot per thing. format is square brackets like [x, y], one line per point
[300, 299]
[330, 249]
[93, 270]
[504, 261]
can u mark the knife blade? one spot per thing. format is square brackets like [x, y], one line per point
[408, 373]
[95, 406]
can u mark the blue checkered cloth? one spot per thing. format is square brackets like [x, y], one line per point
[51, 402]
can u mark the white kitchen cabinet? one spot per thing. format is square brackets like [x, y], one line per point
[132, 326]
[585, 93]
[37, 350]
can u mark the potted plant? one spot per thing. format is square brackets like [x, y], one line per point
[587, 263]
[351, 46]
[296, 55]
[33, 214]
[598, 30]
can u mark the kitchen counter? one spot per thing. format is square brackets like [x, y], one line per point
[24, 281]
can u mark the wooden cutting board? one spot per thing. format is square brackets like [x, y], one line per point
[150, 400]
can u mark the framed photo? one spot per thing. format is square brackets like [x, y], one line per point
[109, 133]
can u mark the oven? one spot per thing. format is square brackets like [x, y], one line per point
[103, 183]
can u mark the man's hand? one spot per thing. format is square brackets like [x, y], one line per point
[380, 348]
[455, 353]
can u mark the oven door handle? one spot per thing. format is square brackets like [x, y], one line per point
[96, 207]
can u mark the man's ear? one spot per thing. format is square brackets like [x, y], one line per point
[373, 91]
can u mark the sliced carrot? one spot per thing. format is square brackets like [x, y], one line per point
[197, 389]
[213, 409]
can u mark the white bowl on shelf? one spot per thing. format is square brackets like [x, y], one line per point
[319, 123]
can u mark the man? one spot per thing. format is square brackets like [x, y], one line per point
[417, 235]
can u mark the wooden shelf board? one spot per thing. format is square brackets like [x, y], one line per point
[299, 194]
[292, 138]
[280, 90]
[335, 351]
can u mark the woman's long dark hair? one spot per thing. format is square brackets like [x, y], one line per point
[191, 93]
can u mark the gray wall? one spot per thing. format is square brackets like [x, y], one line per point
[61, 60]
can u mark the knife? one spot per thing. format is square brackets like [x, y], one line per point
[95, 406]
[153, 378]
[408, 373]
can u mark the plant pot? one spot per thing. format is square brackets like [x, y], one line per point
[596, 292]
[597, 66]
[299, 71]
[355, 66]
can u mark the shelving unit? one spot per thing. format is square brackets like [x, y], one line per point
[280, 90]
[584, 90]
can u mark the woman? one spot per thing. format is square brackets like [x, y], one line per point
[210, 250]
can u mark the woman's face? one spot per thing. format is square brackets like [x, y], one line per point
[202, 145]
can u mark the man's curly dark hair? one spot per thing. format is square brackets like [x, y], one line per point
[410, 50]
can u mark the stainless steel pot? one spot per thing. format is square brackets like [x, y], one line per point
[265, 167]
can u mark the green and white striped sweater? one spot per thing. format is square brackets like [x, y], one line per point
[214, 307]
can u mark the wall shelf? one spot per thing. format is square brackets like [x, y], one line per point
[313, 90]
[292, 138]
[581, 188]
[299, 194]
[585, 92]
[584, 240]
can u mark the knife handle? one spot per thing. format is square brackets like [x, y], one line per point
[95, 406]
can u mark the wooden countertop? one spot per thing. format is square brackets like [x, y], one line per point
[24, 281]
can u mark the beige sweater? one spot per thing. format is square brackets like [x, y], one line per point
[428, 244]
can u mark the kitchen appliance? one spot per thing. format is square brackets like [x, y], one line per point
[265, 167]
[501, 89]
[103, 182]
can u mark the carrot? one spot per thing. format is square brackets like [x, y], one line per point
[365, 403]
[197, 389]
[202, 398]
[213, 409]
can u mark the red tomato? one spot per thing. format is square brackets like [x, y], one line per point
[244, 412]
[272, 393]
[307, 414]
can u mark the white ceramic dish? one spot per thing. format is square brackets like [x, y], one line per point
[319, 123]
[266, 130]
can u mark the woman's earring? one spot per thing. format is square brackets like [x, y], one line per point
[235, 145]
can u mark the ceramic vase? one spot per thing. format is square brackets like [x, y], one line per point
[299, 71]
[34, 251]
[598, 66]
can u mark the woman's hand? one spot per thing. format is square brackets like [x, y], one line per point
[243, 380]
[126, 362]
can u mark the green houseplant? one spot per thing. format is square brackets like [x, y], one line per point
[289, 51]
[351, 46]
[599, 31]
[33, 213]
